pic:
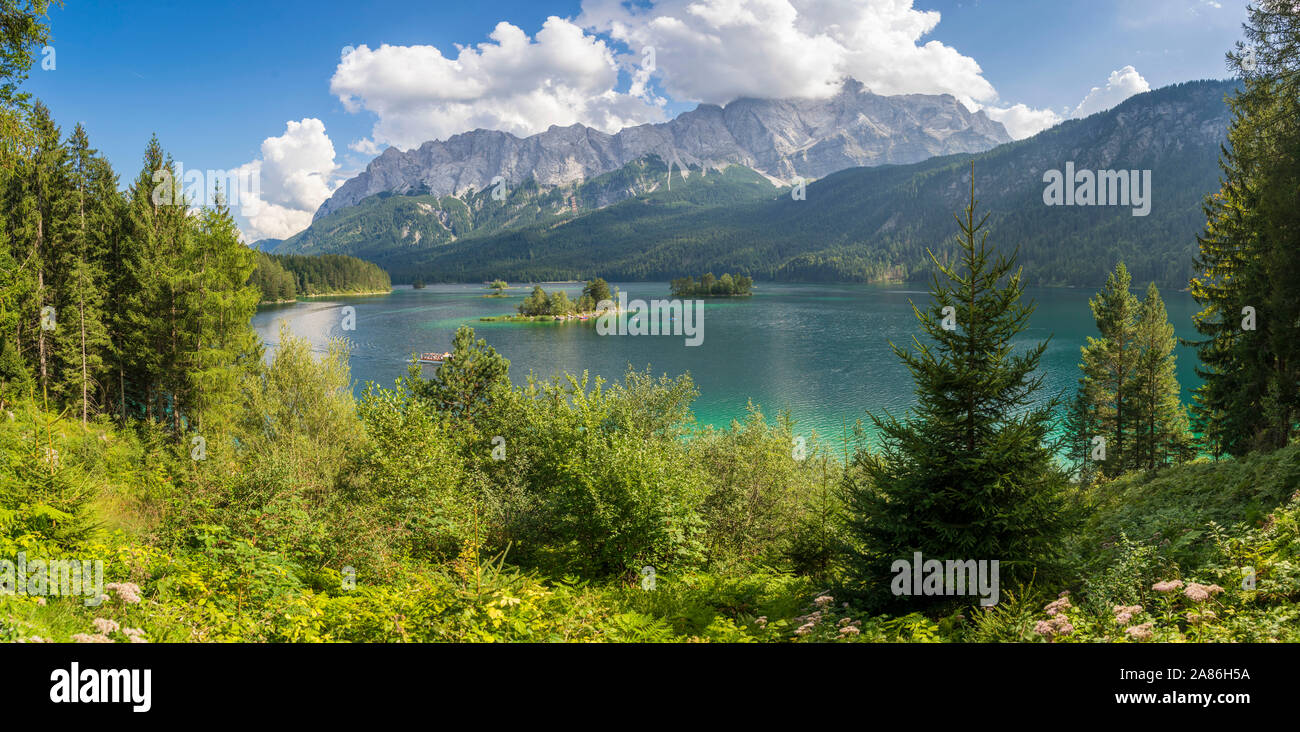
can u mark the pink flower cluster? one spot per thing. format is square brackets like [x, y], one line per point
[849, 627]
[127, 592]
[810, 621]
[1125, 613]
[1200, 593]
[1140, 632]
[88, 638]
[105, 626]
[1167, 585]
[1057, 624]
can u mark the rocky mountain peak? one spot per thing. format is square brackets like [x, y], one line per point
[780, 138]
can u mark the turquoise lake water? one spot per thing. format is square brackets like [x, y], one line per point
[820, 351]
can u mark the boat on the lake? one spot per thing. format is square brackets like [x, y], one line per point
[435, 357]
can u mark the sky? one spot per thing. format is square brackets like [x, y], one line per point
[299, 96]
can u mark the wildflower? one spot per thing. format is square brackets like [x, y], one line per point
[761, 621]
[1060, 605]
[105, 626]
[127, 592]
[1125, 613]
[88, 638]
[1167, 585]
[1200, 593]
[1057, 625]
[40, 601]
[135, 634]
[823, 601]
[849, 631]
[1140, 632]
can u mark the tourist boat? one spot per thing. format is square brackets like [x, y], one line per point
[435, 357]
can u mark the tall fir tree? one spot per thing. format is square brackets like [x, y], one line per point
[1162, 436]
[82, 338]
[222, 347]
[972, 474]
[1109, 366]
[1248, 265]
[41, 217]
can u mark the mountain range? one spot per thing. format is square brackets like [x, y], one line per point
[781, 138]
[712, 191]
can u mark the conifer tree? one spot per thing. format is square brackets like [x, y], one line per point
[1248, 266]
[971, 474]
[83, 337]
[1109, 366]
[221, 346]
[1162, 433]
[40, 220]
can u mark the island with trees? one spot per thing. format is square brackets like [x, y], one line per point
[708, 286]
[557, 305]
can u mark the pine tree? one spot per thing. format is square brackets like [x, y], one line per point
[221, 347]
[1248, 265]
[1109, 365]
[82, 339]
[1080, 429]
[466, 386]
[41, 205]
[1162, 433]
[972, 474]
[139, 321]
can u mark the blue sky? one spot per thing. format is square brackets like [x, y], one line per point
[215, 80]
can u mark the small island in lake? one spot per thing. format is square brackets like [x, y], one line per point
[498, 288]
[724, 286]
[557, 306]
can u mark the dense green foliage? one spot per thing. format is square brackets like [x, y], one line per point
[171, 342]
[710, 286]
[281, 278]
[1248, 266]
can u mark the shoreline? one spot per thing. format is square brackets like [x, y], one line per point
[325, 294]
[517, 318]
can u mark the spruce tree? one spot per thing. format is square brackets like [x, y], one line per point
[220, 345]
[40, 205]
[1248, 266]
[1162, 433]
[1109, 366]
[82, 339]
[971, 474]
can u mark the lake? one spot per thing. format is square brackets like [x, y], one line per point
[820, 351]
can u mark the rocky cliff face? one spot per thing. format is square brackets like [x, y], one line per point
[781, 138]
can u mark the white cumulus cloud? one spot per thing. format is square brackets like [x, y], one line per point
[1122, 84]
[296, 173]
[513, 83]
[1023, 121]
[717, 50]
